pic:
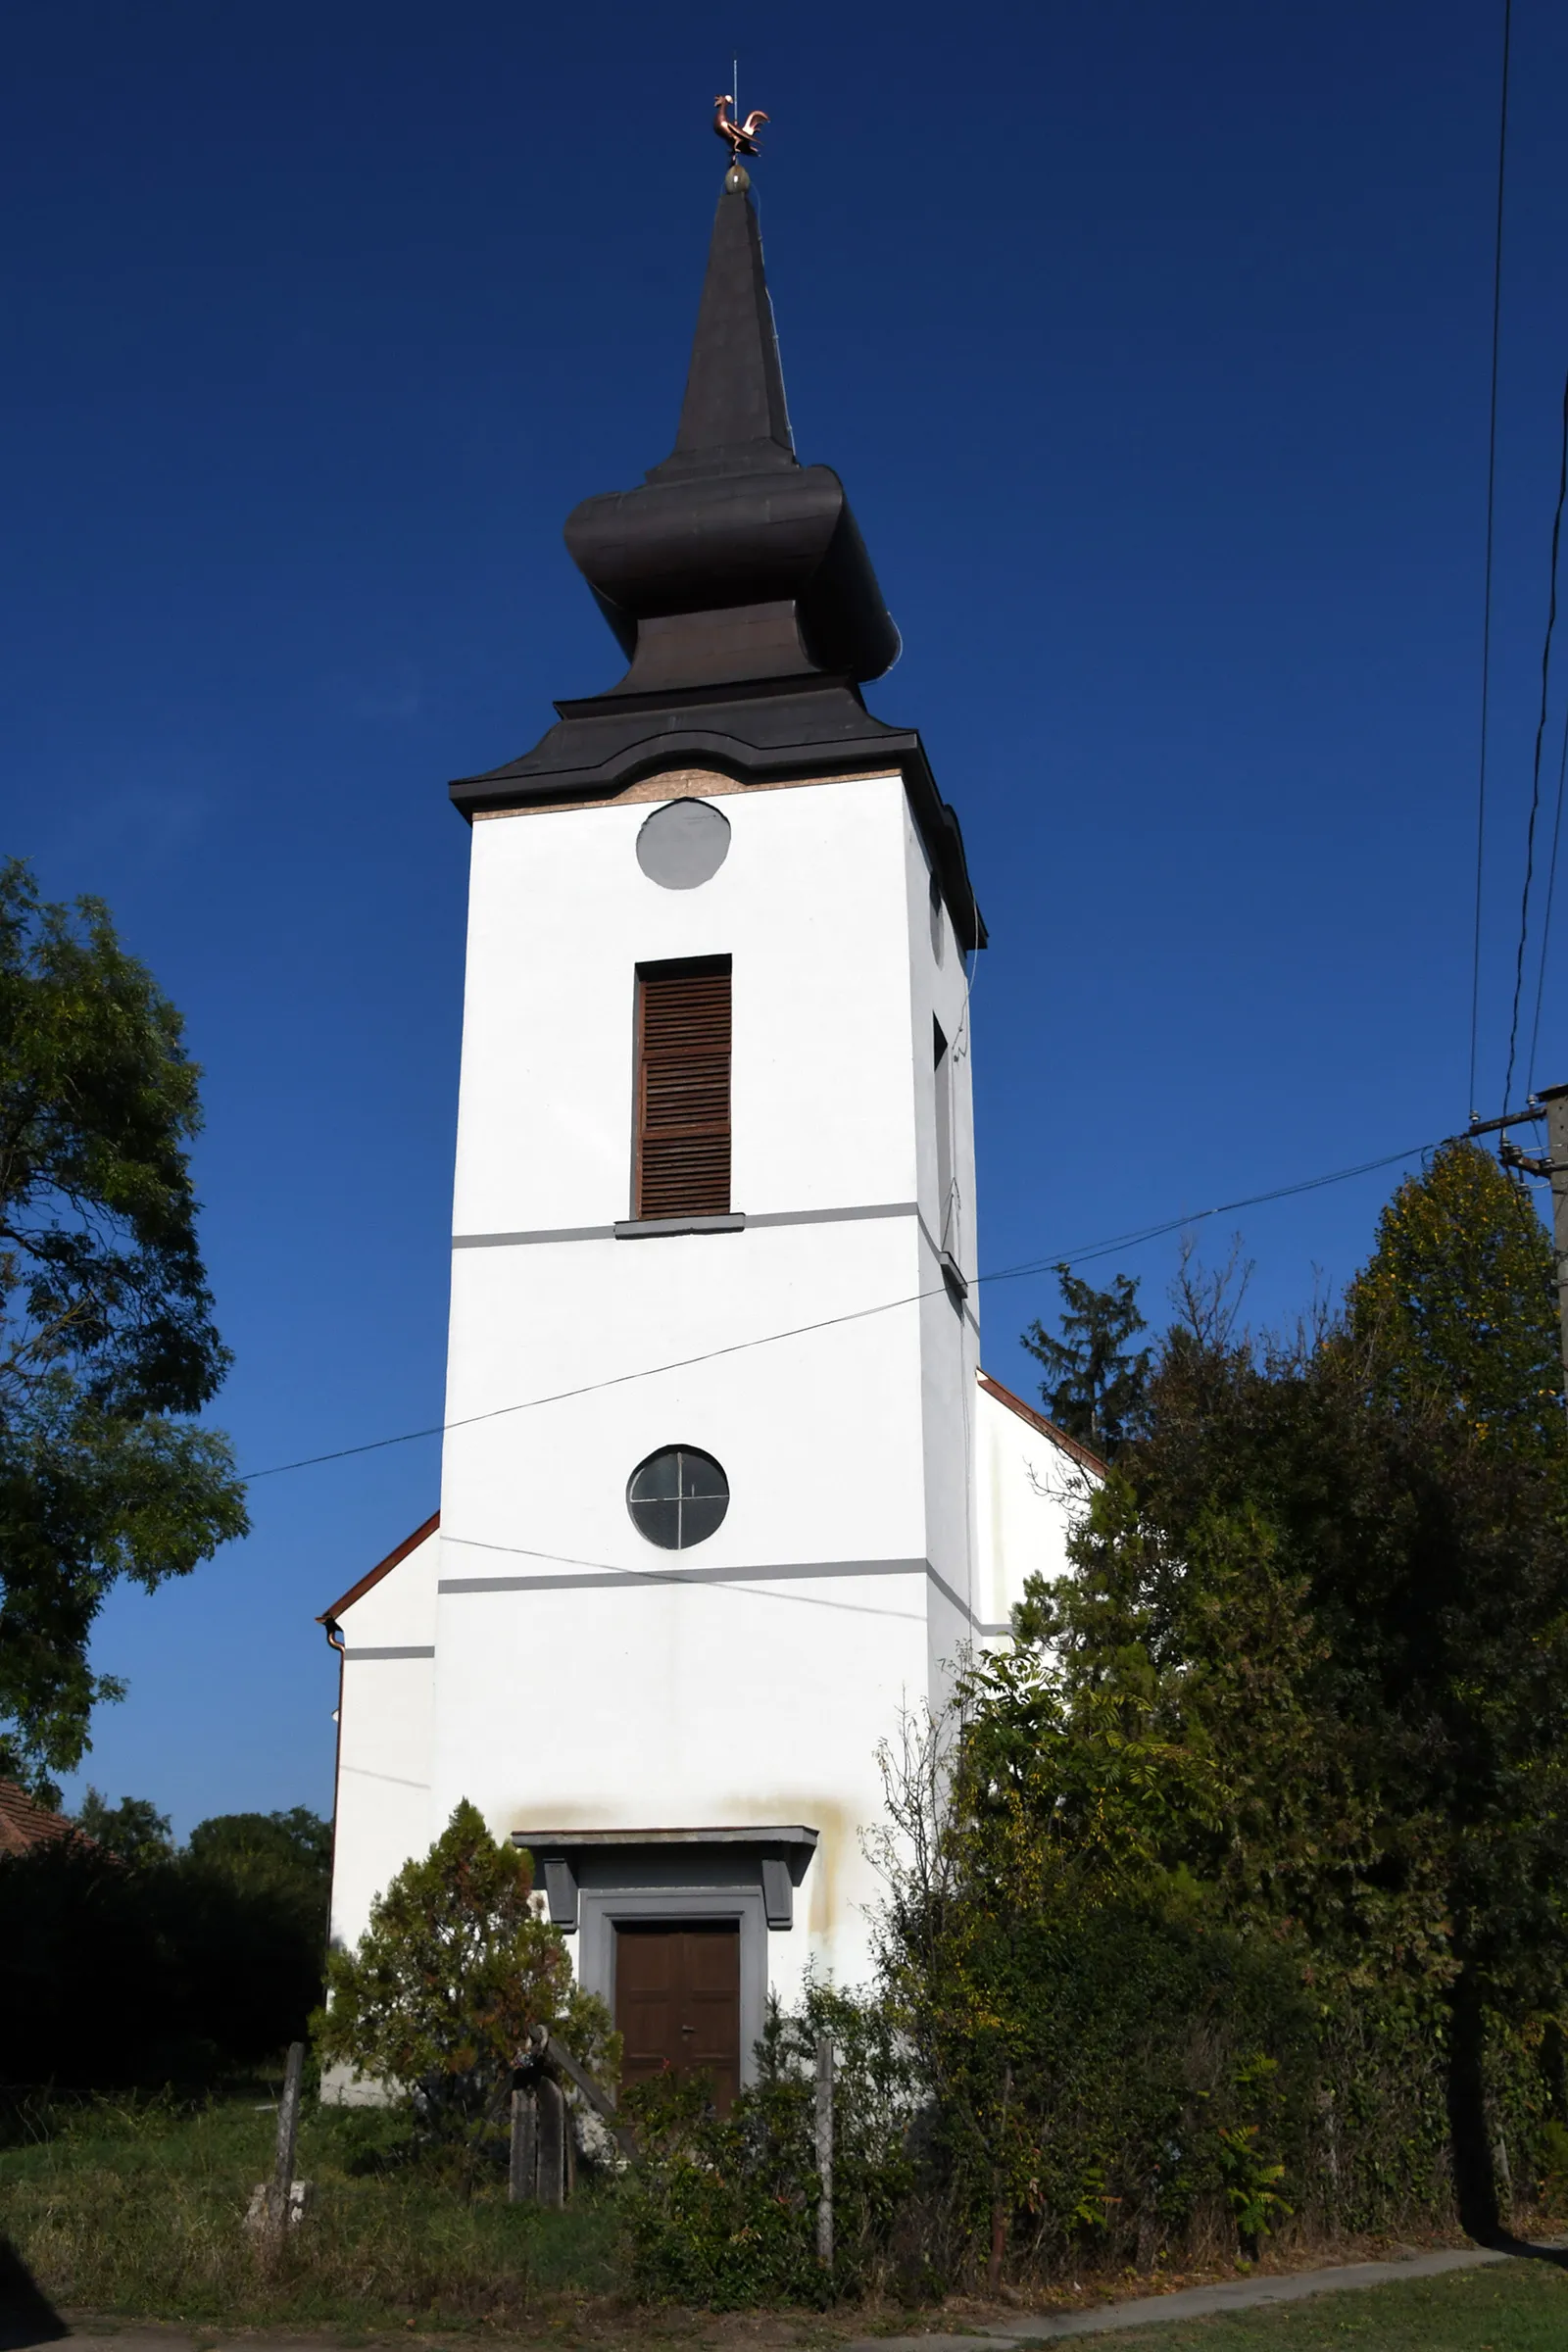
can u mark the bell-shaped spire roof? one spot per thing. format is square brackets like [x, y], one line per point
[732, 560]
[738, 585]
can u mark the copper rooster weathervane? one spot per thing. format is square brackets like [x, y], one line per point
[742, 136]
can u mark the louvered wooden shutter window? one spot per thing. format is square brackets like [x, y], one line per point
[683, 1090]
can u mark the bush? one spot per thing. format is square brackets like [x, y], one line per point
[450, 1978]
[721, 2211]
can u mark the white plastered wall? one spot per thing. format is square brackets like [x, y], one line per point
[758, 1696]
[1030, 1492]
[949, 1327]
[385, 1720]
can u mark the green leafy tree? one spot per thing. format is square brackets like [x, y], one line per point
[128, 1961]
[134, 1831]
[1392, 1777]
[1454, 1325]
[1295, 1723]
[288, 1853]
[107, 1342]
[1457, 1311]
[1098, 1383]
[449, 1978]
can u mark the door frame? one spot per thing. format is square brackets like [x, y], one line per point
[603, 1908]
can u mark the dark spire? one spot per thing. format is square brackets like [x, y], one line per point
[738, 585]
[706, 574]
[734, 408]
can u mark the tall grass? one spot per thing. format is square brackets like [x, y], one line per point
[137, 2208]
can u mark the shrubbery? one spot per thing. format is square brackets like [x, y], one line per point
[721, 2210]
[125, 1962]
[1232, 1900]
[455, 1970]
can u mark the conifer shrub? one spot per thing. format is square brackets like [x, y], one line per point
[438, 1999]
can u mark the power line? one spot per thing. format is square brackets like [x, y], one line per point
[736, 1583]
[859, 1314]
[1540, 737]
[1491, 509]
[1222, 1208]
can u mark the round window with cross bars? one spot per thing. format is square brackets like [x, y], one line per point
[677, 1498]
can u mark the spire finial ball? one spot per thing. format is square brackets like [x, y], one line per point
[737, 179]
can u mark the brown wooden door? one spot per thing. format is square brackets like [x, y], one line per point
[678, 2002]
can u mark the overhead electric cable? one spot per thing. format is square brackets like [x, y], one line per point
[1491, 509]
[1540, 737]
[859, 1314]
[1545, 919]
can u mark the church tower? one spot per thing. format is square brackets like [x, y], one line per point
[715, 1503]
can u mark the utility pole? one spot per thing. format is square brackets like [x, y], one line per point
[1555, 1098]
[1548, 1103]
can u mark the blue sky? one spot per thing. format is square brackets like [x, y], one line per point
[1153, 346]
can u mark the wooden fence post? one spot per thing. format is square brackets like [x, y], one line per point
[824, 2151]
[288, 2133]
[523, 2176]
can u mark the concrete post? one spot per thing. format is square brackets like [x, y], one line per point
[824, 2151]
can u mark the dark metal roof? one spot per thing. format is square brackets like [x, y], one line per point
[738, 585]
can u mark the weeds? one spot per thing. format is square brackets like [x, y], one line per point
[135, 2207]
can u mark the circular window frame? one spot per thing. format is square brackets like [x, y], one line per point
[636, 1504]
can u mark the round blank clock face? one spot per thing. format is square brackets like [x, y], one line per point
[683, 844]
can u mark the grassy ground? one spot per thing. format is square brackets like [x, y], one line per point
[1508, 2307]
[138, 2210]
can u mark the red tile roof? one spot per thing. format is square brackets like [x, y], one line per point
[25, 1825]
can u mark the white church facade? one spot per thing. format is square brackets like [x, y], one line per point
[723, 1486]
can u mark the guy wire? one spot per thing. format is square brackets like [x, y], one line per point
[1540, 736]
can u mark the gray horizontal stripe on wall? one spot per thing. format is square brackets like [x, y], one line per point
[792, 1572]
[413, 1650]
[623, 1577]
[835, 1216]
[554, 1233]
[608, 1232]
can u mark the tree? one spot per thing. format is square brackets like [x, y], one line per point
[129, 1961]
[134, 1831]
[108, 1346]
[449, 1978]
[1099, 1392]
[1390, 1765]
[1454, 1324]
[1457, 1309]
[290, 1854]
[1296, 1724]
